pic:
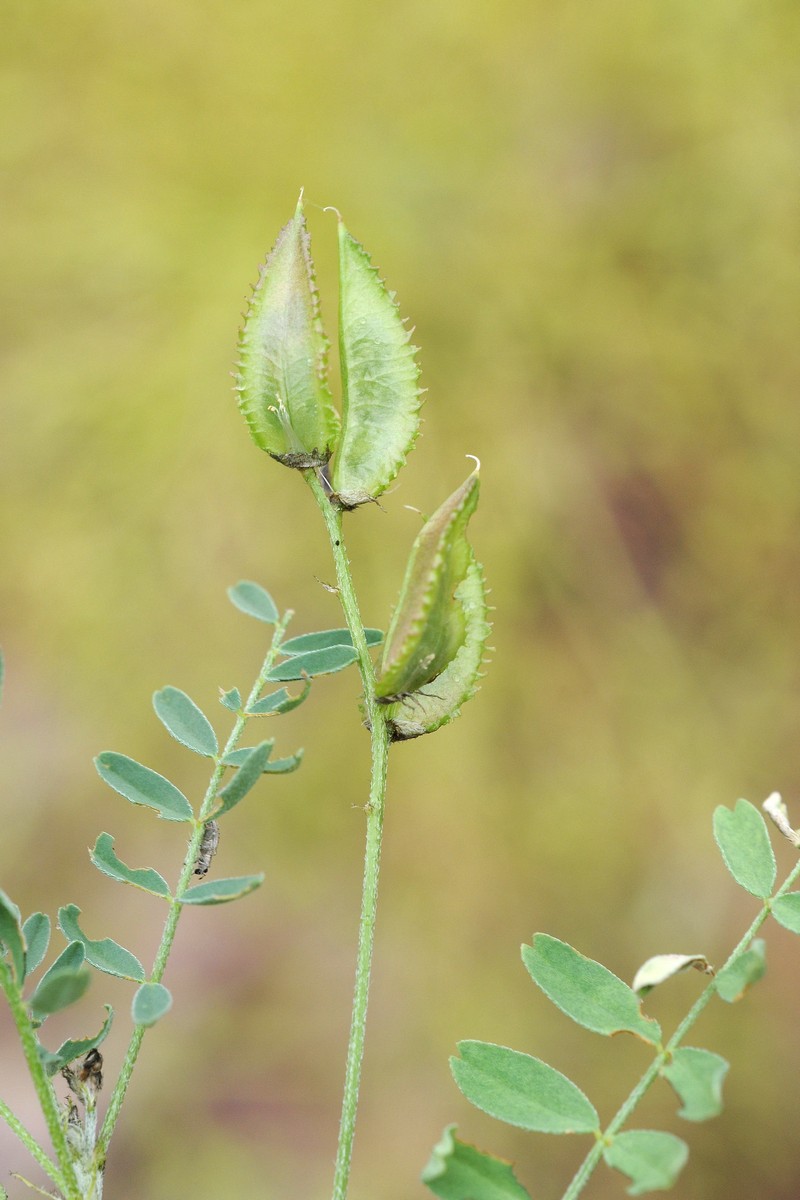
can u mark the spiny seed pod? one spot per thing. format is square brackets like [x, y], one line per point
[439, 703]
[380, 394]
[282, 371]
[429, 623]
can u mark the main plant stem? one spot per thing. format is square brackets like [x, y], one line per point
[664, 1055]
[379, 734]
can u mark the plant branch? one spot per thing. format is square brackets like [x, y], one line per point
[171, 924]
[664, 1055]
[28, 1140]
[65, 1179]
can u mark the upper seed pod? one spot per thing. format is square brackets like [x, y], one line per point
[429, 624]
[380, 394]
[281, 381]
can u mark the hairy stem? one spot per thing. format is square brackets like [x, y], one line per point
[171, 923]
[28, 1140]
[44, 1090]
[664, 1055]
[379, 734]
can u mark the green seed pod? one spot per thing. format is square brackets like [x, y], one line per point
[430, 708]
[281, 378]
[429, 625]
[380, 394]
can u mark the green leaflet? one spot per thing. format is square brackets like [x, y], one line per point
[380, 393]
[105, 859]
[36, 932]
[281, 378]
[253, 600]
[697, 1075]
[459, 1171]
[57, 990]
[12, 939]
[246, 777]
[651, 1160]
[322, 639]
[430, 708]
[586, 990]
[429, 624]
[68, 1051]
[744, 843]
[316, 662]
[521, 1090]
[105, 954]
[182, 718]
[150, 1003]
[745, 970]
[220, 891]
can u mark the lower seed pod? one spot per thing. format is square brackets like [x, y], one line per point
[440, 702]
[428, 627]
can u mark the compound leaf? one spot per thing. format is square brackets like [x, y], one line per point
[586, 991]
[521, 1090]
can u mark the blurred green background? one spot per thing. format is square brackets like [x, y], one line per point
[590, 213]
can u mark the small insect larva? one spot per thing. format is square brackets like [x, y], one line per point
[208, 848]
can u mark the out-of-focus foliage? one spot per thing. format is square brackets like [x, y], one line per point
[590, 212]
